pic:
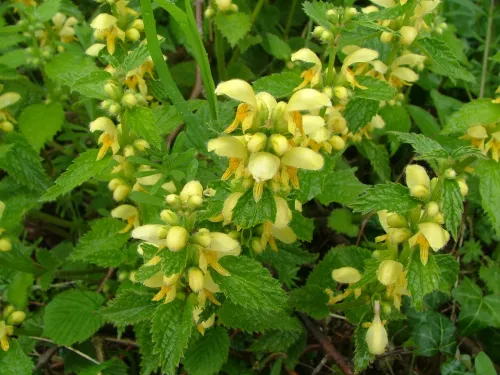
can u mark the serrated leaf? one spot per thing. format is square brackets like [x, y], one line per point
[476, 112]
[233, 26]
[302, 226]
[445, 105]
[424, 120]
[249, 284]
[476, 311]
[275, 46]
[130, 306]
[249, 320]
[359, 112]
[389, 196]
[208, 354]
[316, 10]
[274, 341]
[247, 213]
[439, 273]
[39, 123]
[467, 152]
[83, 168]
[454, 367]
[376, 89]
[62, 67]
[47, 10]
[426, 148]
[150, 362]
[22, 163]
[143, 122]
[340, 220]
[103, 244]
[72, 316]
[174, 261]
[171, 330]
[279, 85]
[362, 356]
[114, 366]
[491, 276]
[14, 361]
[452, 206]
[396, 118]
[92, 84]
[310, 299]
[443, 61]
[341, 187]
[489, 188]
[135, 58]
[434, 333]
[378, 156]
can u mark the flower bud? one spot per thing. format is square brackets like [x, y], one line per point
[389, 271]
[190, 189]
[122, 276]
[337, 143]
[326, 36]
[196, 279]
[5, 245]
[121, 192]
[432, 209]
[114, 183]
[141, 144]
[113, 90]
[376, 336]
[328, 91]
[171, 280]
[256, 245]
[398, 235]
[416, 175]
[340, 92]
[420, 192]
[450, 174]
[169, 186]
[7, 126]
[256, 142]
[177, 238]
[194, 202]
[223, 5]
[133, 34]
[17, 317]
[129, 100]
[169, 217]
[173, 200]
[138, 24]
[115, 109]
[202, 238]
[464, 189]
[128, 151]
[234, 7]
[346, 275]
[209, 12]
[396, 221]
[8, 310]
[408, 35]
[318, 30]
[386, 37]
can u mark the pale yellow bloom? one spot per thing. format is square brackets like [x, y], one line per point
[346, 275]
[5, 332]
[429, 235]
[128, 213]
[312, 75]
[63, 26]
[109, 136]
[104, 26]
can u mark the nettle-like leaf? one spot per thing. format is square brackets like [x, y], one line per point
[247, 213]
[135, 58]
[275, 341]
[143, 122]
[341, 187]
[359, 112]
[396, 118]
[362, 356]
[426, 148]
[279, 85]
[376, 89]
[479, 111]
[150, 362]
[83, 168]
[476, 311]
[249, 284]
[39, 123]
[171, 330]
[233, 26]
[276, 46]
[103, 244]
[489, 188]
[389, 196]
[378, 157]
[14, 361]
[92, 84]
[440, 273]
[73, 316]
[452, 206]
[316, 10]
[208, 354]
[310, 299]
[433, 333]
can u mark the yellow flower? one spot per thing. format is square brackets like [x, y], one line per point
[94, 49]
[63, 26]
[388, 272]
[493, 145]
[304, 100]
[356, 55]
[477, 135]
[229, 204]
[429, 235]
[177, 238]
[5, 332]
[135, 77]
[109, 136]
[104, 26]
[128, 213]
[418, 181]
[220, 245]
[167, 286]
[408, 34]
[6, 100]
[346, 275]
[376, 336]
[398, 290]
[279, 229]
[151, 233]
[312, 75]
[263, 166]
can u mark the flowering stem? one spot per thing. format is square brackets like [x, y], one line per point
[256, 11]
[331, 61]
[487, 49]
[290, 17]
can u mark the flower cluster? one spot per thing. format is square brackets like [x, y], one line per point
[6, 120]
[5, 244]
[486, 138]
[224, 6]
[10, 318]
[180, 237]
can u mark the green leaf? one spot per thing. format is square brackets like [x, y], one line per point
[483, 365]
[452, 206]
[445, 105]
[378, 156]
[454, 367]
[143, 122]
[61, 68]
[489, 188]
[362, 356]
[341, 187]
[443, 61]
[302, 226]
[275, 46]
[424, 120]
[171, 330]
[249, 320]
[310, 299]
[233, 26]
[174, 261]
[18, 289]
[316, 10]
[340, 220]
[359, 112]
[150, 362]
[439, 273]
[247, 213]
[376, 89]
[472, 251]
[479, 111]
[279, 85]
[249, 284]
[274, 341]
[103, 244]
[135, 58]
[92, 84]
[39, 123]
[14, 361]
[396, 118]
[389, 196]
[207, 355]
[114, 366]
[491, 276]
[426, 148]
[72, 316]
[47, 10]
[22, 163]
[476, 311]
[434, 333]
[83, 168]
[130, 306]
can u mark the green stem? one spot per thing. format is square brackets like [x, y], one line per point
[219, 55]
[53, 220]
[487, 49]
[331, 62]
[290, 18]
[256, 11]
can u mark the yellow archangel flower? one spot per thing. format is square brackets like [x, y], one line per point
[104, 26]
[5, 332]
[167, 286]
[219, 245]
[389, 3]
[6, 100]
[109, 136]
[63, 26]
[124, 10]
[135, 77]
[345, 275]
[376, 336]
[429, 235]
[400, 74]
[356, 55]
[418, 181]
[128, 213]
[309, 100]
[280, 228]
[477, 135]
[493, 145]
[312, 75]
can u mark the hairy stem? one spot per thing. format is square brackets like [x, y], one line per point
[487, 49]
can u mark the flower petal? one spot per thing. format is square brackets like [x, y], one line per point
[304, 158]
[237, 89]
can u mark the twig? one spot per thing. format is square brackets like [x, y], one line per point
[119, 341]
[67, 347]
[327, 346]
[104, 279]
[45, 357]
[487, 49]
[320, 365]
[99, 348]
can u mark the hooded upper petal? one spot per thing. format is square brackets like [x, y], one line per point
[304, 158]
[435, 235]
[237, 89]
[308, 100]
[228, 146]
